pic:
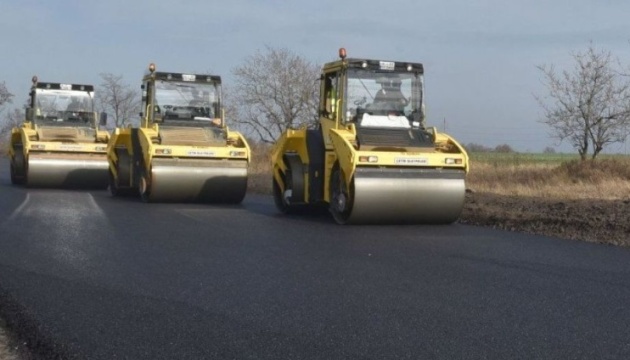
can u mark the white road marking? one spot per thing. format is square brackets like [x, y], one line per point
[20, 208]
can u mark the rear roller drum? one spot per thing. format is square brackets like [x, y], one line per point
[281, 198]
[115, 189]
[341, 199]
[123, 165]
[145, 188]
[291, 200]
[18, 166]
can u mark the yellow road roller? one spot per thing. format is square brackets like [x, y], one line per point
[60, 144]
[371, 159]
[182, 151]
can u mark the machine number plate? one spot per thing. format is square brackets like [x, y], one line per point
[70, 147]
[200, 153]
[411, 161]
[187, 77]
[387, 65]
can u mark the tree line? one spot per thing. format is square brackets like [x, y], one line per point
[587, 106]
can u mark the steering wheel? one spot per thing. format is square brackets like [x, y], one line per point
[361, 101]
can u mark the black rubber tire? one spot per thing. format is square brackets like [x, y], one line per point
[144, 189]
[122, 167]
[113, 186]
[278, 196]
[340, 201]
[18, 166]
[115, 190]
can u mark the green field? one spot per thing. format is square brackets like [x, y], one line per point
[531, 158]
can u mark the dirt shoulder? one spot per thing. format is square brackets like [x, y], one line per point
[9, 348]
[599, 221]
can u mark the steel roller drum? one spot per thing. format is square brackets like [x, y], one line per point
[68, 170]
[407, 196]
[198, 180]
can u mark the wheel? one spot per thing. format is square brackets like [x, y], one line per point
[18, 166]
[281, 198]
[115, 189]
[124, 173]
[145, 188]
[341, 198]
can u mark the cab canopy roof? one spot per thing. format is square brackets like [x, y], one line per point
[171, 76]
[378, 65]
[60, 86]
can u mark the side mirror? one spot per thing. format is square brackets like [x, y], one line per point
[102, 121]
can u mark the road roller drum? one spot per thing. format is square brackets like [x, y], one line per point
[176, 180]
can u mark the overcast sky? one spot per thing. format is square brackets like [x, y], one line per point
[480, 56]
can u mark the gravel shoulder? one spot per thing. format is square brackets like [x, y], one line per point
[10, 348]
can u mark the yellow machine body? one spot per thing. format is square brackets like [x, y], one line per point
[370, 163]
[182, 151]
[59, 144]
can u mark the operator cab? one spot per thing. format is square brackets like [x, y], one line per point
[375, 93]
[55, 104]
[381, 98]
[183, 100]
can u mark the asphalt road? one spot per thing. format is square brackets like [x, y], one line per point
[87, 276]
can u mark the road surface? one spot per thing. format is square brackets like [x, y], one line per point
[87, 276]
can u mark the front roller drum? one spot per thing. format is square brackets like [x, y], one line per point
[195, 180]
[398, 196]
[52, 170]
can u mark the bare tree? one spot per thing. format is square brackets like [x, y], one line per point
[117, 99]
[590, 105]
[14, 118]
[5, 122]
[5, 95]
[275, 90]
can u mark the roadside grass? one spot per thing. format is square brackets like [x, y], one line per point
[532, 158]
[607, 178]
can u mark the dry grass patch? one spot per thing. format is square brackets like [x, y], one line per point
[604, 179]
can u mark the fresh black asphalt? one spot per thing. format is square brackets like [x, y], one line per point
[84, 275]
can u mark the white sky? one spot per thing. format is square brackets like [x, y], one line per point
[480, 56]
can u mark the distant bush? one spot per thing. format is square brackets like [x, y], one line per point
[477, 148]
[549, 150]
[504, 149]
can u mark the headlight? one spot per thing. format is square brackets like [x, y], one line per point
[163, 151]
[369, 159]
[237, 153]
[453, 161]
